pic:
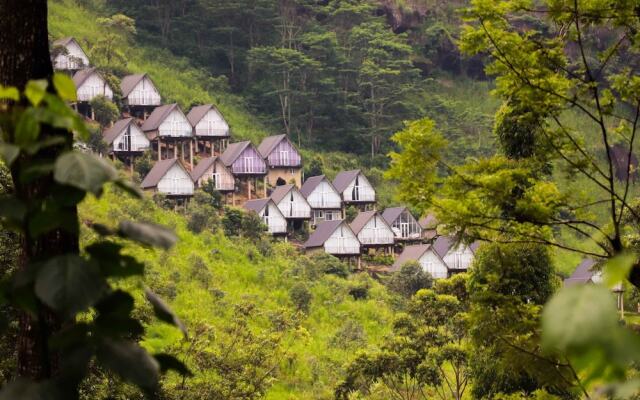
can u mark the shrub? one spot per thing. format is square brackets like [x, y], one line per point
[232, 221]
[323, 263]
[105, 112]
[300, 297]
[144, 163]
[350, 334]
[350, 213]
[95, 140]
[199, 271]
[409, 279]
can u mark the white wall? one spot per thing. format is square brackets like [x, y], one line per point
[144, 94]
[296, 208]
[138, 142]
[365, 191]
[324, 196]
[74, 59]
[432, 264]
[176, 182]
[342, 241]
[212, 124]
[460, 257]
[325, 215]
[94, 86]
[276, 223]
[223, 180]
[376, 231]
[175, 125]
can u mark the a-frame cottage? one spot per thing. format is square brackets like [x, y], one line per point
[441, 259]
[335, 238]
[585, 272]
[284, 162]
[355, 189]
[429, 225]
[214, 170]
[372, 231]
[139, 94]
[210, 129]
[405, 227]
[270, 214]
[292, 204]
[90, 84]
[68, 55]
[169, 177]
[125, 140]
[247, 166]
[169, 128]
[324, 199]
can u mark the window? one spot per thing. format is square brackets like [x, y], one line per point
[284, 157]
[355, 193]
[248, 164]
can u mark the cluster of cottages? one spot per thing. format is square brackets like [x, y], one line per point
[265, 179]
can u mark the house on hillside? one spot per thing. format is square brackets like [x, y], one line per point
[292, 204]
[68, 55]
[324, 199]
[405, 227]
[246, 165]
[126, 140]
[284, 163]
[355, 189]
[169, 177]
[441, 259]
[89, 84]
[210, 129]
[139, 94]
[214, 170]
[170, 131]
[373, 231]
[429, 225]
[588, 272]
[270, 214]
[335, 238]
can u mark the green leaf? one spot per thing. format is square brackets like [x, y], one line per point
[617, 268]
[9, 153]
[27, 128]
[12, 210]
[84, 171]
[43, 143]
[69, 284]
[65, 86]
[35, 170]
[147, 233]
[51, 218]
[35, 91]
[9, 92]
[131, 362]
[163, 312]
[129, 187]
[168, 362]
[112, 263]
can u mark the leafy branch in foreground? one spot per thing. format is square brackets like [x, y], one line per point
[69, 298]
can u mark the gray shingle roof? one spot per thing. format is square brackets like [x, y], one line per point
[323, 231]
[64, 41]
[157, 172]
[158, 115]
[344, 178]
[269, 143]
[583, 273]
[233, 151]
[361, 220]
[129, 82]
[428, 222]
[202, 166]
[256, 205]
[311, 183]
[112, 133]
[280, 192]
[442, 245]
[392, 213]
[410, 253]
[83, 74]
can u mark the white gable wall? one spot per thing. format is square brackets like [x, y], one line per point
[362, 192]
[74, 59]
[324, 196]
[294, 205]
[144, 94]
[376, 232]
[222, 178]
[459, 257]
[135, 141]
[432, 264]
[176, 182]
[342, 241]
[273, 218]
[175, 125]
[94, 86]
[212, 124]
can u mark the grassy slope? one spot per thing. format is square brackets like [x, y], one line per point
[263, 281]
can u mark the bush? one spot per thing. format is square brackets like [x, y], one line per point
[215, 198]
[232, 221]
[350, 213]
[237, 222]
[350, 334]
[409, 279]
[323, 263]
[301, 297]
[144, 163]
[95, 141]
[104, 111]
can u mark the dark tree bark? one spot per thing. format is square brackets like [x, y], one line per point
[24, 55]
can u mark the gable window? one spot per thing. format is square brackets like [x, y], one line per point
[248, 164]
[355, 193]
[284, 157]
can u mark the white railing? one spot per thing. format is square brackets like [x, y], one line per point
[296, 212]
[342, 246]
[275, 226]
[212, 131]
[376, 240]
[142, 100]
[360, 194]
[326, 203]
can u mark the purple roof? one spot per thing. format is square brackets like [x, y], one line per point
[428, 222]
[233, 151]
[158, 171]
[392, 213]
[202, 167]
[198, 112]
[362, 219]
[344, 178]
[410, 253]
[280, 192]
[323, 231]
[442, 245]
[129, 82]
[112, 133]
[256, 205]
[269, 143]
[158, 115]
[583, 273]
[82, 75]
[312, 183]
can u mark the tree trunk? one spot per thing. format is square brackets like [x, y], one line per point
[24, 55]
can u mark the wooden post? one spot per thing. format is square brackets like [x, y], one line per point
[159, 149]
[264, 185]
[212, 152]
[249, 188]
[131, 163]
[191, 153]
[175, 149]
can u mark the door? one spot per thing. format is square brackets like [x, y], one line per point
[248, 164]
[404, 229]
[284, 157]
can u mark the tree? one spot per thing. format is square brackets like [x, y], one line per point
[409, 279]
[104, 110]
[106, 51]
[301, 297]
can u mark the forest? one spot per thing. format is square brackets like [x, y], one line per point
[511, 123]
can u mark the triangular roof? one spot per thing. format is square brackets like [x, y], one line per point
[361, 220]
[442, 245]
[269, 143]
[583, 273]
[344, 178]
[323, 231]
[158, 171]
[280, 192]
[202, 167]
[158, 115]
[312, 183]
[410, 253]
[428, 222]
[129, 82]
[233, 151]
[198, 112]
[83, 74]
[392, 213]
[257, 204]
[65, 41]
[112, 133]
